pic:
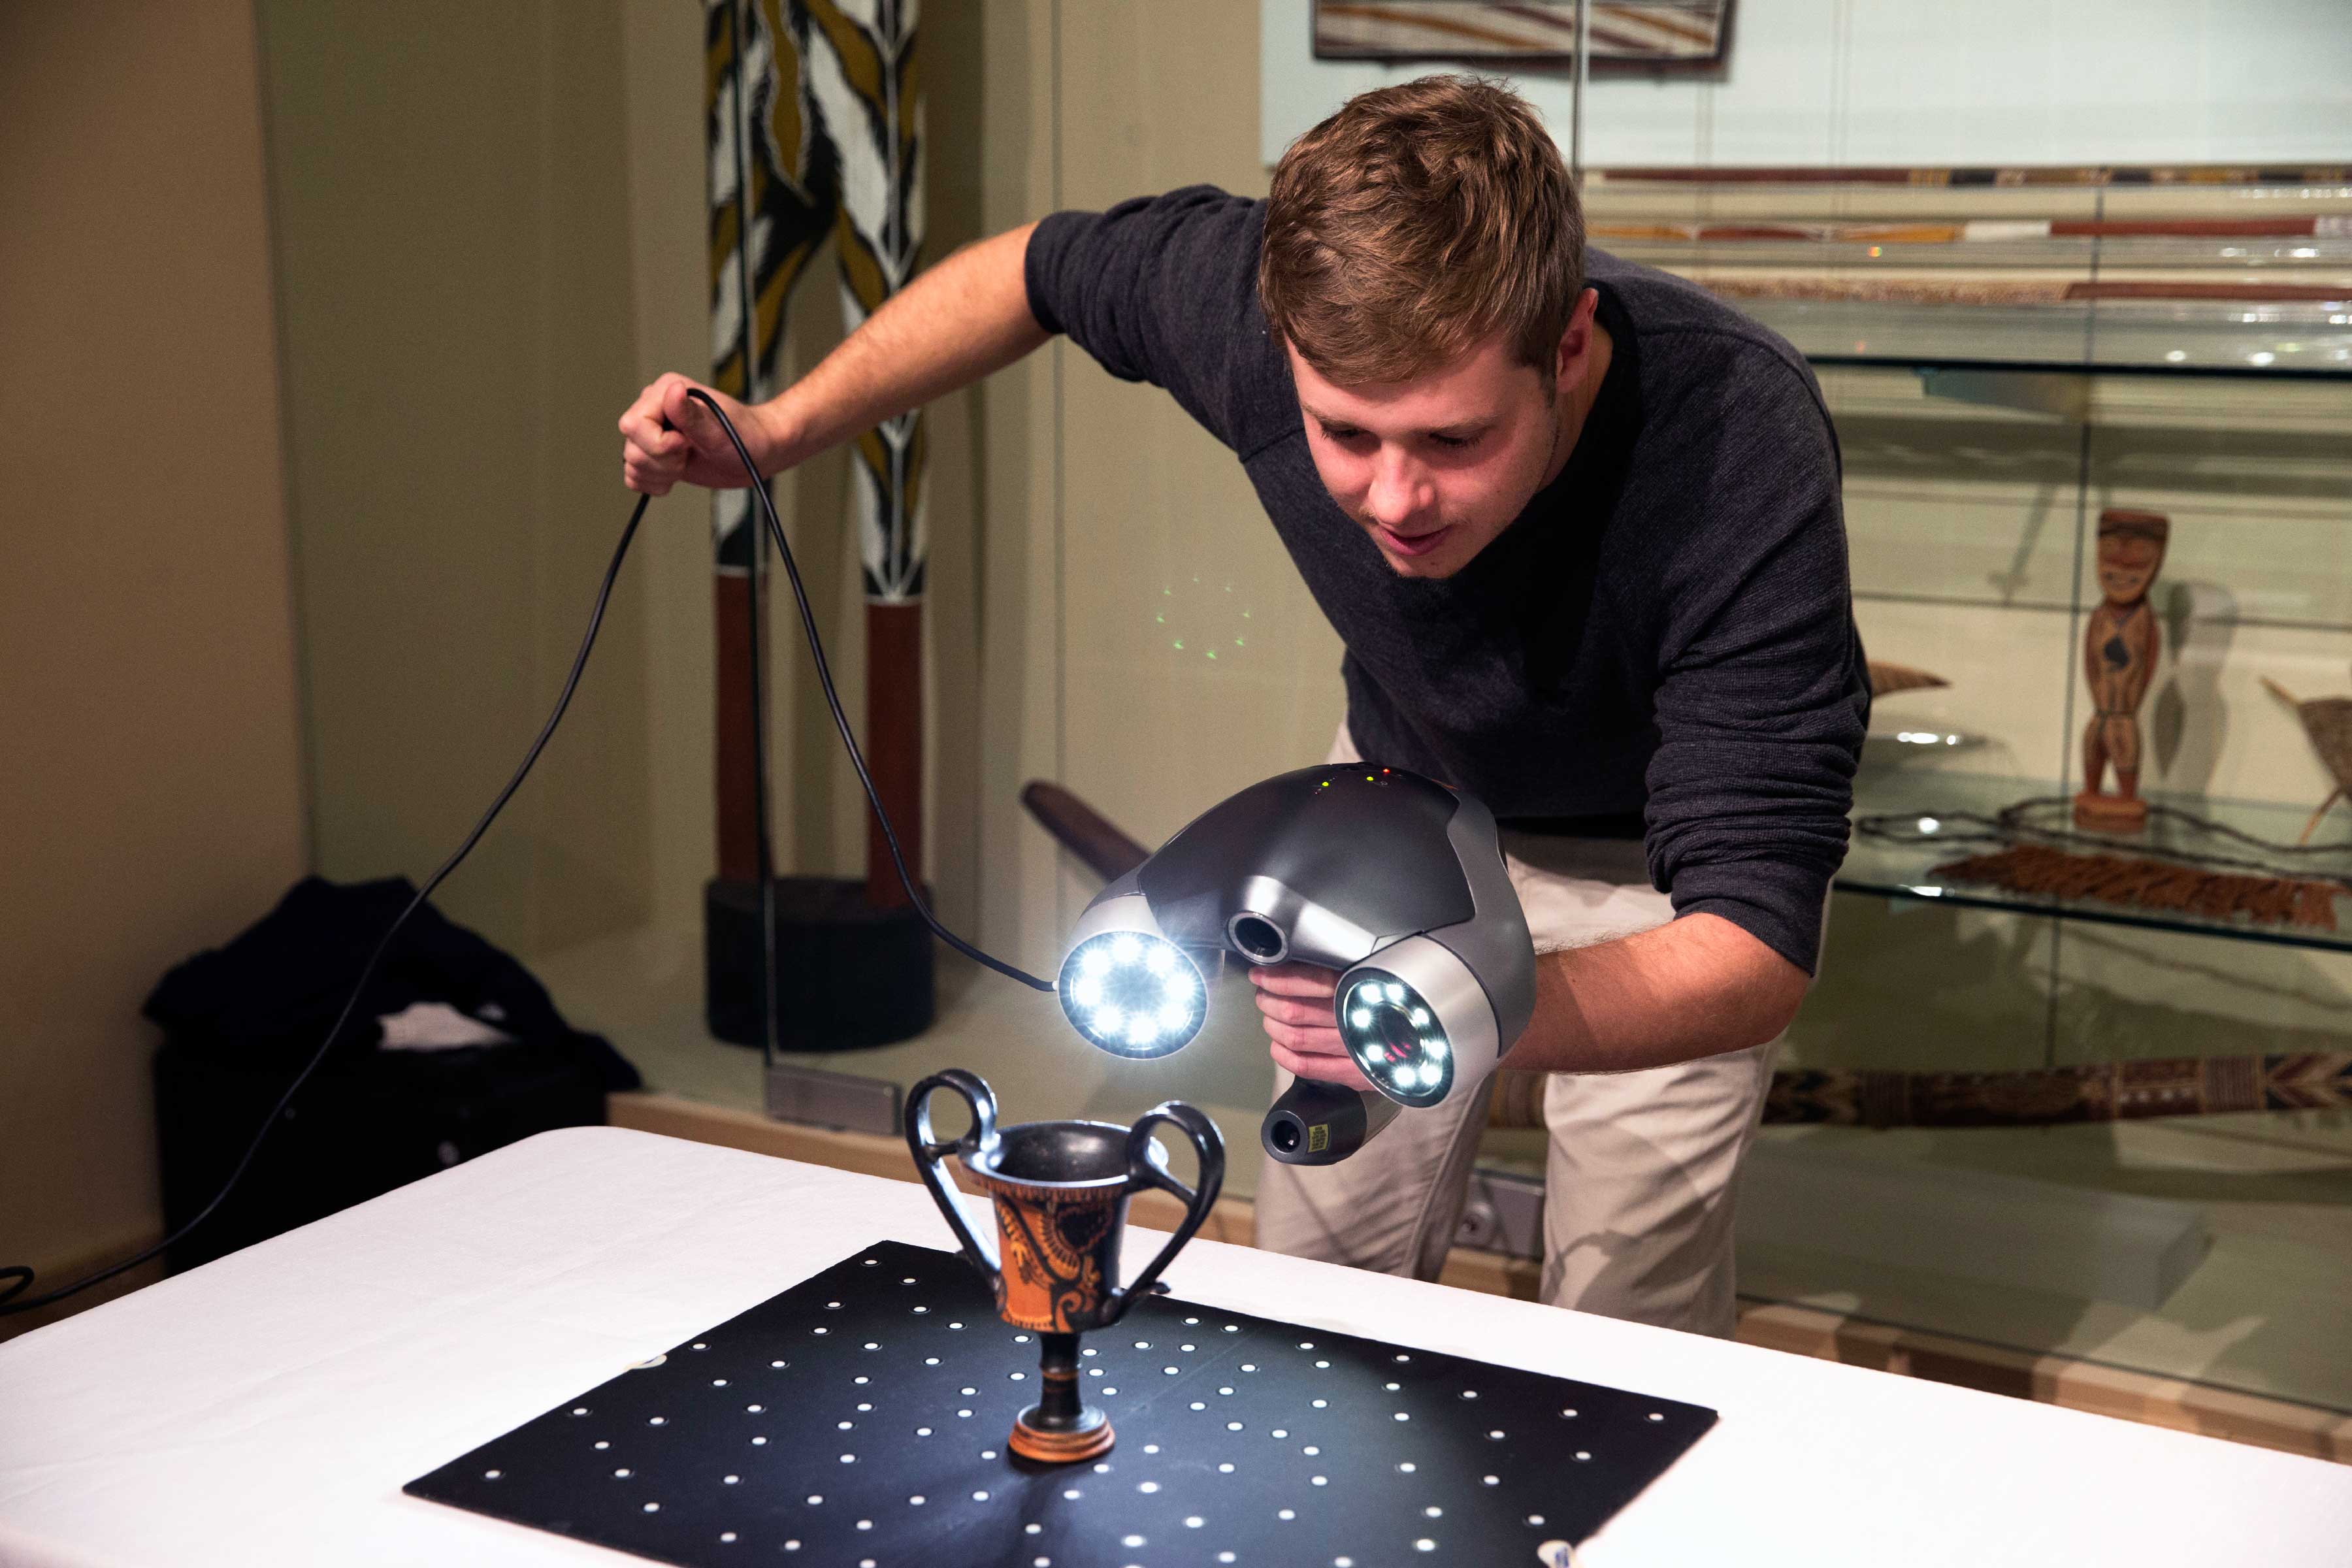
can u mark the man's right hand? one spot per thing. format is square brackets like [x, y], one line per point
[667, 437]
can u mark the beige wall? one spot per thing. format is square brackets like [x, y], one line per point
[450, 186]
[152, 789]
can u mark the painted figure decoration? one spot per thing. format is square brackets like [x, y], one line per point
[1061, 1191]
[2119, 650]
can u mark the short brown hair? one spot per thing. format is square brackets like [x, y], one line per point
[1416, 221]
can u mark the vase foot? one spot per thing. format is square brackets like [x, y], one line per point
[2110, 813]
[1087, 1437]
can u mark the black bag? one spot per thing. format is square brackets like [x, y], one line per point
[240, 1021]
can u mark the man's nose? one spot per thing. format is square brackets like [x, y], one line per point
[1399, 491]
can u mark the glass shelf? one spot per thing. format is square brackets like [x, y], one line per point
[1929, 800]
[2251, 340]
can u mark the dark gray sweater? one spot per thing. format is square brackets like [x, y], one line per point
[1660, 644]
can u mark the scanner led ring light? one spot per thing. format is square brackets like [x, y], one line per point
[1393, 1034]
[1133, 994]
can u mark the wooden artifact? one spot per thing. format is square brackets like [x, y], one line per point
[1887, 679]
[2143, 883]
[2328, 721]
[2119, 650]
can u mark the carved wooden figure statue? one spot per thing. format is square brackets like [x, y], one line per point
[2119, 651]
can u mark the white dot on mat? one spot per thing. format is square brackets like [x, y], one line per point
[657, 1421]
[1020, 1339]
[700, 1345]
[817, 1331]
[863, 1404]
[1225, 1470]
[843, 1426]
[653, 1508]
[1249, 1366]
[623, 1473]
[491, 1475]
[979, 1497]
[1073, 1494]
[755, 1409]
[955, 1325]
[1089, 1350]
[865, 1524]
[718, 1383]
[1469, 1394]
[832, 1306]
[1033, 1529]
[1041, 1562]
[759, 1442]
[1094, 1372]
[792, 1546]
[1169, 1369]
[1103, 1469]
[1190, 1321]
[1144, 1344]
[579, 1410]
[1402, 1416]
[1535, 1519]
[1657, 1416]
[780, 1366]
[1492, 1480]
[1569, 1414]
[922, 1431]
[1225, 1557]
[731, 1480]
[1497, 1434]
[1306, 1345]
[872, 1346]
[1402, 1357]
[1232, 1328]
[869, 1262]
[1285, 1513]
[1186, 1347]
[1225, 1391]
[814, 1499]
[1148, 1487]
[1582, 1455]
[1198, 1404]
[920, 1311]
[1232, 1425]
[931, 1361]
[1130, 1540]
[1433, 1512]
[1320, 1404]
[1424, 1544]
[1406, 1468]
[1107, 1389]
[1318, 1481]
[1310, 1450]
[909, 1279]
[1322, 1365]
[988, 1453]
[915, 1501]
[1019, 1376]
[1392, 1387]
[964, 1414]
[1151, 1448]
[1279, 1432]
[1194, 1521]
[967, 1391]
[727, 1537]
[849, 1459]
[602, 1443]
[1343, 1563]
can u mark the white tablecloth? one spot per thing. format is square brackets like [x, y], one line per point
[267, 1408]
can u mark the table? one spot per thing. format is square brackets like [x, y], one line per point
[268, 1407]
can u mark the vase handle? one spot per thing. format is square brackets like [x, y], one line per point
[931, 1154]
[1144, 1171]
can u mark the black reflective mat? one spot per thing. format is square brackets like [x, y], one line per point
[859, 1418]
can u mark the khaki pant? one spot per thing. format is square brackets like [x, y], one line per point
[1638, 1180]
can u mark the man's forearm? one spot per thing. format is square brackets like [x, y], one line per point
[1694, 987]
[953, 324]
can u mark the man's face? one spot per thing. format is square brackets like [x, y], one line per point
[1434, 468]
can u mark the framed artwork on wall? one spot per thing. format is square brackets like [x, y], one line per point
[1638, 34]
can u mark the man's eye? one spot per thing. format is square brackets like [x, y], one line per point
[1456, 443]
[1341, 432]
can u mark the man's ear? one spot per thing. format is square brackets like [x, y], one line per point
[1576, 340]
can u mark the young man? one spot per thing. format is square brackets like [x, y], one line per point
[1578, 524]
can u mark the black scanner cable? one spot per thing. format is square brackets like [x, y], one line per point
[16, 1278]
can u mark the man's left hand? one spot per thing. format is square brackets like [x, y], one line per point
[1296, 1000]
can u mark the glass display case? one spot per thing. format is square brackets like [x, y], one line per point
[2117, 1069]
